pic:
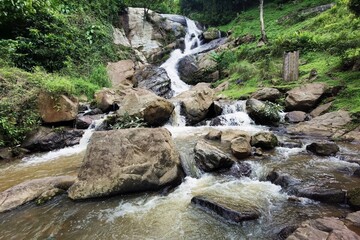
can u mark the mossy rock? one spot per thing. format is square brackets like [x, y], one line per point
[354, 198]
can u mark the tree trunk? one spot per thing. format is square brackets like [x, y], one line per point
[263, 33]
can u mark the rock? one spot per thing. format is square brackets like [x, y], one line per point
[238, 170]
[210, 158]
[127, 161]
[357, 172]
[189, 70]
[154, 79]
[267, 94]
[95, 111]
[295, 117]
[48, 139]
[83, 122]
[48, 195]
[175, 18]
[57, 109]
[323, 148]
[248, 38]
[326, 125]
[240, 148]
[262, 113]
[229, 135]
[32, 189]
[211, 34]
[224, 211]
[264, 140]
[305, 97]
[291, 144]
[320, 109]
[121, 73]
[213, 135]
[353, 135]
[107, 100]
[6, 154]
[120, 37]
[354, 218]
[354, 198]
[326, 195]
[281, 179]
[286, 232]
[144, 104]
[196, 103]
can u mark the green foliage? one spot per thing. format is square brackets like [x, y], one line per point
[271, 111]
[128, 121]
[354, 6]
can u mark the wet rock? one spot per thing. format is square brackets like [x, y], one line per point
[238, 170]
[320, 109]
[261, 113]
[83, 122]
[144, 104]
[354, 218]
[48, 139]
[357, 172]
[305, 97]
[323, 148]
[295, 117]
[143, 160]
[121, 72]
[354, 198]
[240, 148]
[327, 125]
[48, 195]
[286, 232]
[213, 135]
[267, 94]
[281, 179]
[95, 111]
[326, 195]
[228, 135]
[66, 108]
[211, 34]
[224, 211]
[6, 154]
[291, 144]
[264, 140]
[189, 70]
[196, 103]
[210, 158]
[32, 189]
[154, 79]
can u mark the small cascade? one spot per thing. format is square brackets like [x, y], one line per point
[189, 166]
[176, 120]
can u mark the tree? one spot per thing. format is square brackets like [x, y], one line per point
[263, 39]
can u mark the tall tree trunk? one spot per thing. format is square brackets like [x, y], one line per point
[263, 33]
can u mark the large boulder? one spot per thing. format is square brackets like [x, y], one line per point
[31, 190]
[321, 109]
[229, 135]
[240, 148]
[262, 113]
[264, 140]
[107, 99]
[267, 94]
[127, 161]
[210, 158]
[48, 139]
[322, 194]
[295, 117]
[121, 72]
[144, 104]
[196, 103]
[189, 70]
[305, 97]
[154, 79]
[54, 109]
[327, 125]
[211, 34]
[323, 148]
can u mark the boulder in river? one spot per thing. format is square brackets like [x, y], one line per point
[48, 139]
[31, 190]
[262, 113]
[214, 134]
[211, 34]
[127, 161]
[107, 99]
[240, 147]
[264, 140]
[295, 117]
[189, 70]
[322, 194]
[224, 211]
[305, 97]
[323, 148]
[228, 135]
[210, 158]
[354, 198]
[267, 94]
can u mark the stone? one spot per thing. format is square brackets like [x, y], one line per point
[48, 139]
[281, 179]
[267, 94]
[228, 135]
[107, 100]
[57, 109]
[127, 161]
[48, 195]
[326, 195]
[323, 148]
[344, 234]
[326, 125]
[210, 158]
[305, 97]
[352, 136]
[264, 140]
[286, 232]
[261, 113]
[121, 72]
[295, 117]
[354, 218]
[320, 109]
[6, 154]
[238, 170]
[354, 198]
[144, 104]
[357, 172]
[211, 34]
[120, 37]
[213, 135]
[291, 144]
[196, 103]
[189, 70]
[94, 111]
[32, 189]
[154, 79]
[240, 148]
[224, 211]
[83, 122]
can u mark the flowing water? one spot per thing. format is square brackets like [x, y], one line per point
[171, 215]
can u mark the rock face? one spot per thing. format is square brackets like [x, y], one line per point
[57, 109]
[121, 72]
[47, 139]
[144, 104]
[31, 190]
[196, 103]
[305, 97]
[210, 158]
[326, 125]
[295, 117]
[323, 148]
[127, 161]
[224, 211]
[154, 79]
[264, 140]
[267, 94]
[240, 148]
[261, 113]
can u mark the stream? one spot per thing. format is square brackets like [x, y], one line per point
[171, 215]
